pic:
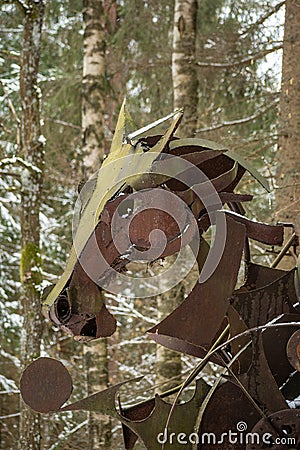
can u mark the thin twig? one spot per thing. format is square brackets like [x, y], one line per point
[9, 416]
[10, 174]
[63, 436]
[65, 124]
[263, 18]
[240, 62]
[239, 121]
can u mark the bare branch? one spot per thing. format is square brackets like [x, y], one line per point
[9, 416]
[65, 124]
[14, 113]
[10, 54]
[63, 436]
[17, 161]
[242, 121]
[20, 3]
[263, 18]
[241, 62]
[9, 392]
[10, 174]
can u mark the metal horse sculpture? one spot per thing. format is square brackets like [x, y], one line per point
[251, 332]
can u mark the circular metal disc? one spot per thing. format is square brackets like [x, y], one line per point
[293, 350]
[280, 431]
[45, 385]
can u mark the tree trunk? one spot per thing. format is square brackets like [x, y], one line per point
[185, 82]
[93, 145]
[93, 82]
[288, 153]
[32, 177]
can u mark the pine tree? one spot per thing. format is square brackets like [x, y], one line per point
[288, 153]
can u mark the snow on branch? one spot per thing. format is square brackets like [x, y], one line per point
[9, 416]
[241, 62]
[242, 121]
[262, 19]
[10, 53]
[64, 435]
[8, 384]
[17, 161]
[11, 357]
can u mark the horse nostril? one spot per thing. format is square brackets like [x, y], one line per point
[89, 329]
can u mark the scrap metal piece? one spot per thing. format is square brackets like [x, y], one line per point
[293, 350]
[115, 174]
[196, 143]
[135, 413]
[45, 385]
[152, 431]
[263, 304]
[238, 326]
[259, 381]
[228, 411]
[275, 343]
[261, 232]
[279, 431]
[193, 326]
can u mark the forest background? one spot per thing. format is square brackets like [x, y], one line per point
[65, 67]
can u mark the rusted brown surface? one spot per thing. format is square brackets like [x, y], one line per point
[275, 341]
[280, 430]
[45, 385]
[227, 408]
[259, 306]
[293, 350]
[259, 381]
[192, 327]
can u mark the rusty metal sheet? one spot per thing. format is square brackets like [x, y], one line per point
[151, 429]
[135, 413]
[264, 304]
[227, 197]
[293, 350]
[261, 232]
[238, 326]
[259, 381]
[228, 409]
[275, 341]
[45, 385]
[193, 325]
[259, 276]
[80, 309]
[279, 431]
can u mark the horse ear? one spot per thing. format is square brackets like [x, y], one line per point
[119, 134]
[124, 125]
